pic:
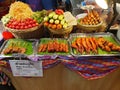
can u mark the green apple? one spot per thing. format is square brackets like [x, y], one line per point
[51, 21]
[51, 14]
[57, 21]
[65, 25]
[46, 18]
[62, 22]
[55, 16]
[60, 17]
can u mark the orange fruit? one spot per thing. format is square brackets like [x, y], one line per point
[59, 26]
[46, 24]
[50, 25]
[54, 26]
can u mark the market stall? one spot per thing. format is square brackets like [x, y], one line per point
[91, 53]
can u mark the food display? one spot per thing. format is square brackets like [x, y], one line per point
[94, 45]
[85, 45]
[58, 23]
[17, 46]
[55, 20]
[92, 18]
[21, 17]
[53, 46]
[107, 45]
[91, 22]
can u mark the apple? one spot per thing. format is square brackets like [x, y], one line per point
[55, 16]
[65, 25]
[57, 21]
[51, 14]
[62, 22]
[46, 18]
[51, 21]
[60, 17]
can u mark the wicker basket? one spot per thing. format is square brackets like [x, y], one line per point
[32, 33]
[89, 28]
[61, 31]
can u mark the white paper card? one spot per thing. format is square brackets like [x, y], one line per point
[26, 68]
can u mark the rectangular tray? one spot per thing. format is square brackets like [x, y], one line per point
[100, 51]
[45, 40]
[29, 44]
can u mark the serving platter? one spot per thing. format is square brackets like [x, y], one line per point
[52, 46]
[109, 37]
[13, 47]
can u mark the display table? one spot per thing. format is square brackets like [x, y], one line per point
[61, 78]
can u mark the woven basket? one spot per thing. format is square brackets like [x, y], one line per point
[32, 33]
[61, 31]
[89, 28]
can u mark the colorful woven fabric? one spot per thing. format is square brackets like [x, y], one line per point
[4, 79]
[93, 68]
[50, 63]
[89, 68]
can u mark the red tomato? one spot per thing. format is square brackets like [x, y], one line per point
[10, 26]
[27, 23]
[7, 25]
[26, 27]
[31, 22]
[29, 26]
[17, 27]
[33, 25]
[21, 27]
[22, 24]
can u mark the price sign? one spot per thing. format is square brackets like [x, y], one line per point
[26, 68]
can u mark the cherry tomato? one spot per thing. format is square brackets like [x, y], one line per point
[26, 27]
[33, 25]
[7, 25]
[21, 27]
[22, 24]
[29, 26]
[31, 22]
[17, 27]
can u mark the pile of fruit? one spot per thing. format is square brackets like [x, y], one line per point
[92, 18]
[55, 20]
[21, 17]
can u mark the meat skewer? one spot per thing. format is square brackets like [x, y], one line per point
[93, 45]
[79, 44]
[85, 45]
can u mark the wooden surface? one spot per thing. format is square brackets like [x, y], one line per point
[61, 78]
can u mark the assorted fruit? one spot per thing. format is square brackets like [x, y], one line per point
[92, 18]
[90, 45]
[55, 20]
[53, 46]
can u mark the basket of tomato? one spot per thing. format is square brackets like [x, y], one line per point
[26, 29]
[21, 24]
[56, 23]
